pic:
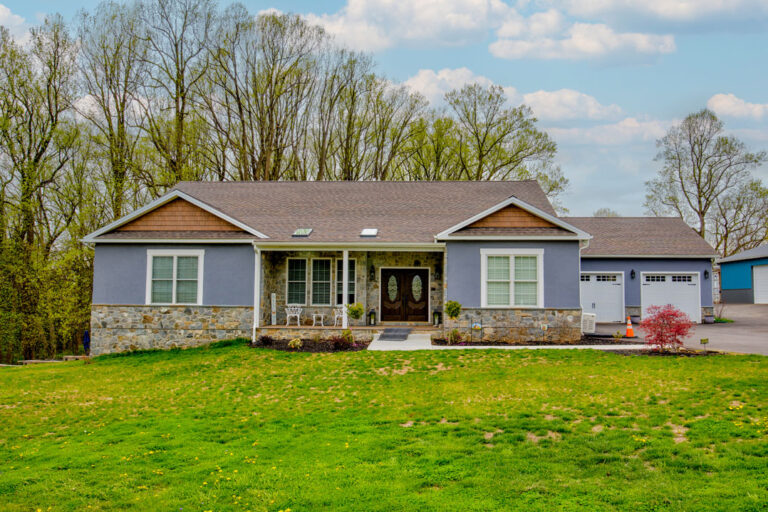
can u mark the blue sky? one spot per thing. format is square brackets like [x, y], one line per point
[606, 78]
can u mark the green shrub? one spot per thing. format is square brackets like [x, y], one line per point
[355, 310]
[296, 344]
[454, 337]
[452, 309]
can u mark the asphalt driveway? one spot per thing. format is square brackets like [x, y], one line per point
[748, 333]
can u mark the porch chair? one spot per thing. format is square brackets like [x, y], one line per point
[338, 315]
[293, 311]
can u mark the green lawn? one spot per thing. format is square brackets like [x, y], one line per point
[233, 428]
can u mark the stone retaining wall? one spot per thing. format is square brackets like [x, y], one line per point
[124, 328]
[519, 326]
[362, 335]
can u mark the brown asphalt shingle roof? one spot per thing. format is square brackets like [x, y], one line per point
[641, 236]
[402, 211]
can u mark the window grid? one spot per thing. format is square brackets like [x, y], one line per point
[585, 278]
[174, 279]
[512, 280]
[297, 282]
[498, 280]
[321, 282]
[682, 279]
[605, 278]
[351, 288]
[655, 279]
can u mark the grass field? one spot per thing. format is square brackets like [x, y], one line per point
[233, 428]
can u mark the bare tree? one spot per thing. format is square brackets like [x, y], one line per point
[113, 69]
[605, 212]
[739, 218]
[497, 142]
[178, 34]
[700, 165]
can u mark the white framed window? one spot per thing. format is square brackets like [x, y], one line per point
[512, 278]
[296, 282]
[174, 276]
[321, 282]
[351, 287]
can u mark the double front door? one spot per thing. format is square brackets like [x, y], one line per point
[404, 294]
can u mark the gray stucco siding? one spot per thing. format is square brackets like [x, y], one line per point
[120, 273]
[632, 286]
[560, 271]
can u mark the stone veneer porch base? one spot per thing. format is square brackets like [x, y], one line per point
[123, 328]
[518, 326]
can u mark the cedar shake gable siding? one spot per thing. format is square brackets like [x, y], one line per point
[178, 215]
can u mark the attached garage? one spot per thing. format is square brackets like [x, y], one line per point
[679, 289]
[602, 293]
[744, 277]
[632, 263]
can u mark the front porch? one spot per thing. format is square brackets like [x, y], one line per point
[310, 284]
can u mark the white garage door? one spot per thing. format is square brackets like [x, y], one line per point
[603, 295]
[680, 290]
[760, 283]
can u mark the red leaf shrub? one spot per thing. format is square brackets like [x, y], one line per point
[665, 326]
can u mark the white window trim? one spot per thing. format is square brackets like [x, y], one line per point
[151, 253]
[511, 252]
[306, 275]
[312, 282]
[338, 278]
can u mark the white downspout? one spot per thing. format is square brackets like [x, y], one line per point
[256, 291]
[344, 288]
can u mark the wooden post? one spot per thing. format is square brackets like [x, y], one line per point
[344, 288]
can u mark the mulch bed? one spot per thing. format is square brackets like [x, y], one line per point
[585, 340]
[683, 352]
[309, 345]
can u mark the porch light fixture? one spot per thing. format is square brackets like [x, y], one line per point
[706, 274]
[302, 232]
[372, 274]
[369, 232]
[632, 274]
[438, 271]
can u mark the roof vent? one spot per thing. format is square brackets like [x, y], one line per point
[302, 232]
[369, 232]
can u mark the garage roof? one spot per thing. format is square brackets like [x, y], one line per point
[641, 236]
[751, 254]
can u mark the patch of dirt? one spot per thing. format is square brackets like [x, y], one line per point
[440, 368]
[597, 428]
[535, 439]
[550, 417]
[407, 424]
[489, 435]
[678, 431]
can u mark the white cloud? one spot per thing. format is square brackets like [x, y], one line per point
[562, 104]
[582, 41]
[378, 24]
[15, 24]
[434, 84]
[568, 104]
[626, 131]
[732, 106]
[671, 10]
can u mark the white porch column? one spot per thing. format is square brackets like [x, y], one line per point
[344, 288]
[256, 291]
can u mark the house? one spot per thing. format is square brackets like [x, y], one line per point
[636, 262]
[744, 277]
[211, 261]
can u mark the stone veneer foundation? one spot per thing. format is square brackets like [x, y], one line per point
[124, 328]
[519, 326]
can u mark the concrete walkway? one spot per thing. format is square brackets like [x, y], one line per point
[422, 342]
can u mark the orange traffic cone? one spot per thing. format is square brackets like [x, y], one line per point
[630, 331]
